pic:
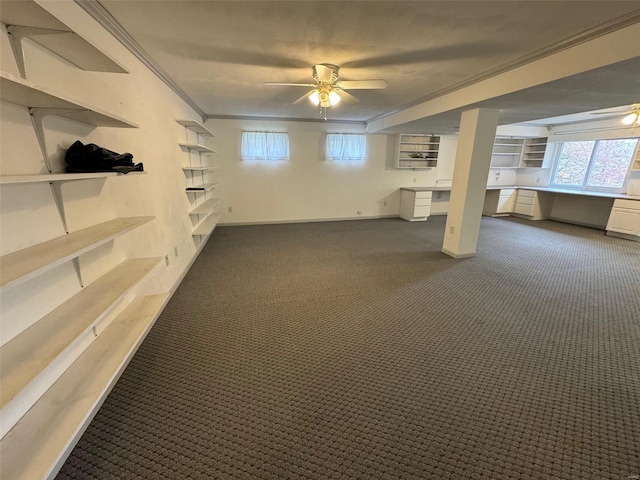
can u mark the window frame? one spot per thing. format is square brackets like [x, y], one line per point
[333, 158]
[267, 158]
[584, 187]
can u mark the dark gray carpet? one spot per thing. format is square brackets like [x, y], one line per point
[356, 350]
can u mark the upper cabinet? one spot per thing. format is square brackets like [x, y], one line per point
[515, 152]
[417, 151]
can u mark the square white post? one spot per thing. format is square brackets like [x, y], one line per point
[470, 172]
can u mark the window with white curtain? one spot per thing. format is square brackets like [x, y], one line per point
[346, 146]
[265, 146]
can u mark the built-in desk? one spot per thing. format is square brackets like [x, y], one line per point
[618, 213]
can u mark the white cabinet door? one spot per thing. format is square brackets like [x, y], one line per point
[507, 201]
[625, 217]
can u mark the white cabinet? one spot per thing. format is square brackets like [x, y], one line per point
[415, 206]
[533, 204]
[533, 152]
[199, 184]
[417, 151]
[514, 152]
[499, 202]
[625, 218]
[506, 152]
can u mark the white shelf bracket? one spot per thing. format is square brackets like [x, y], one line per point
[37, 114]
[17, 33]
[76, 266]
[59, 205]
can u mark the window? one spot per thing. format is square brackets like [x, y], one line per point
[265, 146]
[346, 146]
[599, 164]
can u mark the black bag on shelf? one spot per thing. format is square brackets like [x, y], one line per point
[88, 158]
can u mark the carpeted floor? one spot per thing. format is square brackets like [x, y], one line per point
[356, 350]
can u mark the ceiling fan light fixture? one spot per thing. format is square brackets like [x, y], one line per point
[631, 118]
[334, 98]
[315, 97]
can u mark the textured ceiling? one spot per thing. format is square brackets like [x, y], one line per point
[221, 52]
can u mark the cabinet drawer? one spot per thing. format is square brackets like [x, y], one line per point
[526, 193]
[507, 192]
[526, 200]
[523, 208]
[422, 202]
[423, 211]
[423, 195]
[628, 204]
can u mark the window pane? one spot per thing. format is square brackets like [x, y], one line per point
[573, 163]
[611, 162]
[346, 146]
[265, 146]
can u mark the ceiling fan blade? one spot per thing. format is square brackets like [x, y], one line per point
[362, 84]
[324, 73]
[290, 84]
[346, 97]
[303, 98]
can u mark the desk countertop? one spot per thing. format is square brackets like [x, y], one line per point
[585, 193]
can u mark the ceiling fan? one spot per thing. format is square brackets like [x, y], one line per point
[631, 117]
[328, 90]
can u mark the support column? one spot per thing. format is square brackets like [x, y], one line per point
[470, 172]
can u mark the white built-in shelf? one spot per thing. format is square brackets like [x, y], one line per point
[635, 166]
[207, 225]
[40, 441]
[199, 169]
[22, 92]
[205, 187]
[59, 177]
[196, 147]
[27, 19]
[205, 207]
[196, 127]
[417, 151]
[25, 356]
[20, 266]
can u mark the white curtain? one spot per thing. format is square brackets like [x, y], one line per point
[346, 146]
[265, 146]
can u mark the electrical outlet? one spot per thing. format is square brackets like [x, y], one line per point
[385, 203]
[166, 260]
[414, 179]
[452, 230]
[230, 209]
[538, 180]
[359, 212]
[175, 251]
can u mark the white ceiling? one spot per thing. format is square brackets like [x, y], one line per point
[221, 52]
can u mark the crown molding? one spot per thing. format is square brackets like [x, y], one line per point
[104, 18]
[284, 119]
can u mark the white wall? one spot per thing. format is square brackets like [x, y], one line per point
[307, 187]
[28, 215]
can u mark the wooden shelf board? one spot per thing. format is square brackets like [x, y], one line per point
[22, 92]
[202, 188]
[38, 444]
[20, 266]
[205, 207]
[59, 177]
[197, 147]
[26, 355]
[196, 127]
[207, 225]
[67, 44]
